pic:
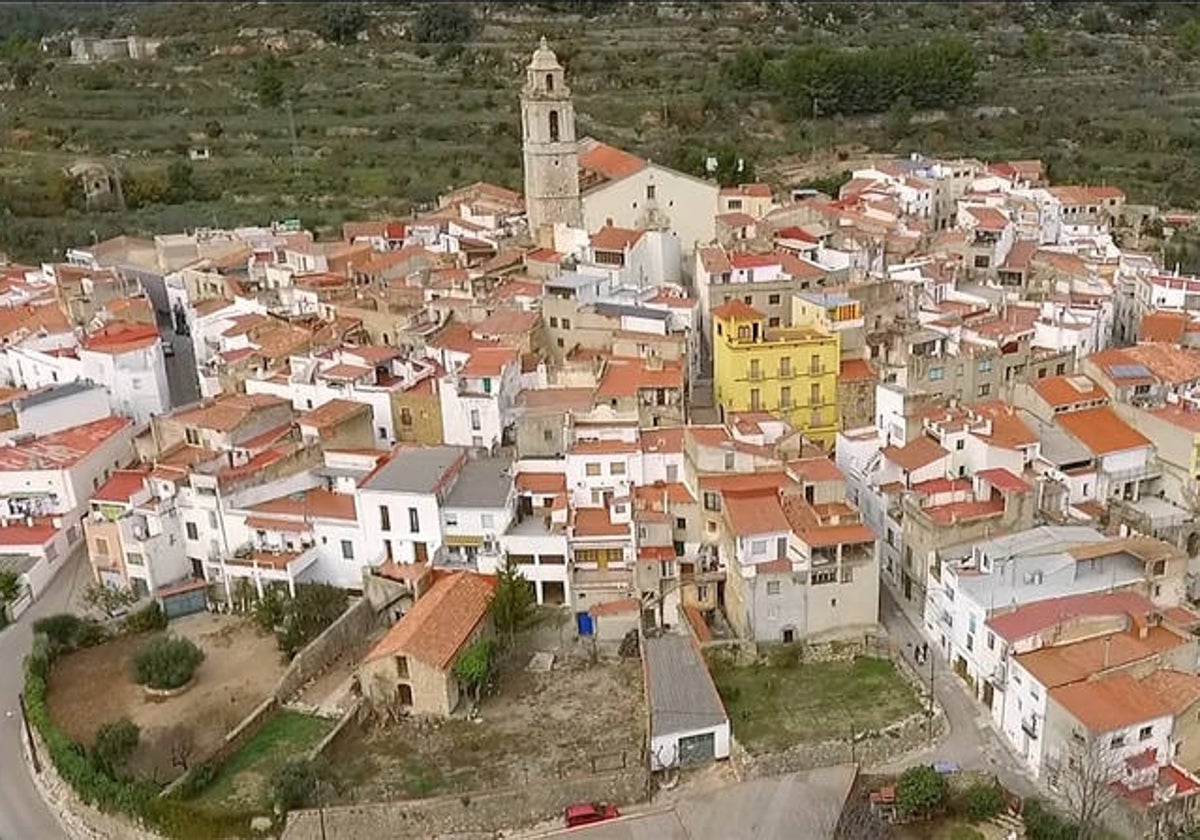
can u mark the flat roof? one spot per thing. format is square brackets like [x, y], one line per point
[681, 692]
[417, 470]
[625, 310]
[482, 483]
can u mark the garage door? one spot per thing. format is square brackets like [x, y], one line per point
[697, 749]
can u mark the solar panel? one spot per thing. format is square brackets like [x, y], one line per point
[1129, 371]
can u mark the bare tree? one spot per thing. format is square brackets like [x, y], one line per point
[1092, 765]
[182, 742]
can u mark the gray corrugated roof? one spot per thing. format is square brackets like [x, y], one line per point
[483, 483]
[414, 470]
[67, 389]
[682, 695]
[621, 309]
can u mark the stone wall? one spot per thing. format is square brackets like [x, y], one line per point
[234, 740]
[343, 636]
[488, 812]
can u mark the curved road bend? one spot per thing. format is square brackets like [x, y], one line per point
[23, 814]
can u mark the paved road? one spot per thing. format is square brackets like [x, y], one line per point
[971, 743]
[23, 815]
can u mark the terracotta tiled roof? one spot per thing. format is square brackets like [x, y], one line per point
[1163, 326]
[624, 605]
[543, 483]
[228, 411]
[625, 377]
[33, 318]
[856, 370]
[603, 447]
[736, 220]
[825, 536]
[1112, 702]
[915, 454]
[1043, 615]
[611, 238]
[121, 486]
[595, 522]
[664, 439]
[737, 310]
[316, 502]
[331, 413]
[1102, 431]
[506, 321]
[61, 449]
[610, 162]
[1075, 195]
[714, 260]
[1067, 390]
[1179, 689]
[1064, 664]
[438, 626]
[20, 534]
[1004, 480]
[988, 218]
[489, 361]
[652, 495]
[1008, 429]
[122, 338]
[742, 482]
[816, 469]
[744, 260]
[755, 513]
[751, 190]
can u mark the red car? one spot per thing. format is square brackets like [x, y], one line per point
[586, 813]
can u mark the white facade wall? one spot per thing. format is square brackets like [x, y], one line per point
[49, 416]
[537, 573]
[136, 381]
[33, 369]
[400, 537]
[664, 749]
[306, 396]
[1025, 702]
[617, 473]
[333, 567]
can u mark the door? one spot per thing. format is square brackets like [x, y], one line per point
[525, 506]
[989, 694]
[422, 554]
[697, 749]
[583, 623]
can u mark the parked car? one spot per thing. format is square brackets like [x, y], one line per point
[586, 813]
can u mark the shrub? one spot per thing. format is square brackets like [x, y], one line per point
[65, 632]
[315, 607]
[146, 620]
[292, 785]
[921, 791]
[1042, 823]
[983, 801]
[115, 743]
[166, 662]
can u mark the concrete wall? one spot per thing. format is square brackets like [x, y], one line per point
[484, 813]
[345, 634]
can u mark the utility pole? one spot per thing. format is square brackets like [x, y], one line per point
[929, 711]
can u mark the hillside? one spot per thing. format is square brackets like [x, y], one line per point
[382, 124]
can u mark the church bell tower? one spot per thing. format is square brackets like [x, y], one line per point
[551, 149]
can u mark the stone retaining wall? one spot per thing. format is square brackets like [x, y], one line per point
[233, 741]
[346, 718]
[341, 637]
[487, 812]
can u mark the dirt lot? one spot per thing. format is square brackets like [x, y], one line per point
[94, 686]
[577, 718]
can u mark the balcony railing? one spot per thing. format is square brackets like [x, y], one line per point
[1150, 469]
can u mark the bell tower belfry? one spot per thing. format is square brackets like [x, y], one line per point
[550, 146]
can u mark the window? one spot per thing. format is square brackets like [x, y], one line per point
[193, 437]
[488, 521]
[566, 323]
[1060, 368]
[711, 526]
[734, 204]
[414, 521]
[1159, 568]
[729, 460]
[959, 444]
[133, 559]
[785, 367]
[549, 82]
[991, 640]
[985, 365]
[451, 520]
[554, 126]
[785, 397]
[985, 389]
[773, 300]
[193, 533]
[102, 546]
[385, 518]
[1117, 741]
[712, 501]
[814, 394]
[382, 433]
[814, 364]
[758, 547]
[553, 321]
[936, 373]
[212, 519]
[616, 468]
[772, 587]
[755, 369]
[487, 385]
[1145, 732]
[748, 300]
[773, 322]
[347, 550]
[650, 192]
[680, 523]
[405, 417]
[847, 575]
[592, 468]
[982, 261]
[755, 400]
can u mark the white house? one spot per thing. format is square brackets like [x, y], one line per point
[127, 359]
[478, 396]
[688, 724]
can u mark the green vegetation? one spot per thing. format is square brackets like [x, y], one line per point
[108, 599]
[246, 779]
[297, 621]
[114, 746]
[1102, 92]
[146, 620]
[166, 662]
[513, 606]
[292, 785]
[775, 704]
[475, 666]
[983, 801]
[921, 791]
[65, 631]
[1043, 823]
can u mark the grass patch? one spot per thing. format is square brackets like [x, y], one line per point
[287, 736]
[775, 705]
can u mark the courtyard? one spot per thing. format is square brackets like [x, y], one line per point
[94, 686]
[580, 717]
[780, 702]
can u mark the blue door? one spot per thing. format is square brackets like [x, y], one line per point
[583, 622]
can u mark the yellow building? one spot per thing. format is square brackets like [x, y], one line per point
[788, 371]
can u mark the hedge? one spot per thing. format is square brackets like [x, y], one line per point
[136, 799]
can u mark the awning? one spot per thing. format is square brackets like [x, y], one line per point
[464, 542]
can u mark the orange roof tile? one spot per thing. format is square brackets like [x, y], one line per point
[488, 361]
[1060, 391]
[816, 469]
[603, 447]
[674, 492]
[594, 522]
[737, 310]
[121, 486]
[624, 605]
[917, 453]
[754, 513]
[1112, 702]
[316, 502]
[1178, 689]
[1163, 326]
[1037, 616]
[122, 338]
[742, 482]
[827, 535]
[856, 370]
[331, 413]
[610, 162]
[1179, 415]
[714, 260]
[625, 377]
[1008, 429]
[438, 626]
[988, 218]
[31, 319]
[1064, 664]
[20, 534]
[61, 449]
[1102, 431]
[611, 238]
[542, 483]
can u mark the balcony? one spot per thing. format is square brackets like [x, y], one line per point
[1148, 470]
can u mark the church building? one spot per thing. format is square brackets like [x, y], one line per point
[589, 184]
